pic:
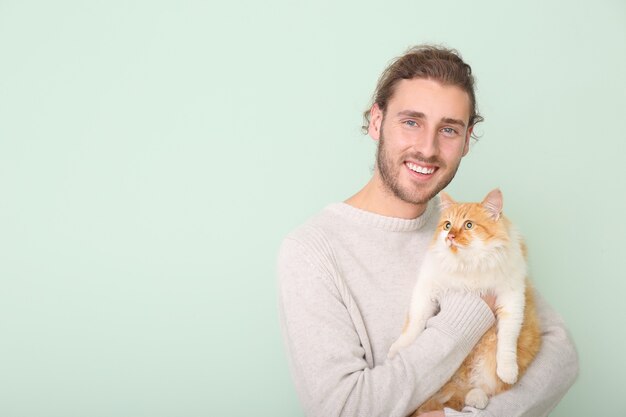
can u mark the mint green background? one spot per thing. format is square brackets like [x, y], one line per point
[153, 154]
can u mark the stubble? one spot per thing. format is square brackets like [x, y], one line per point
[389, 171]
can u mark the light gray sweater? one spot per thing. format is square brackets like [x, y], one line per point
[345, 281]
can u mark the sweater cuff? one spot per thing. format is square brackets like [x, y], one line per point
[453, 413]
[467, 412]
[463, 314]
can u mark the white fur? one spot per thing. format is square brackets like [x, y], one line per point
[482, 376]
[477, 398]
[498, 267]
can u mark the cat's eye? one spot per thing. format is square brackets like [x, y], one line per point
[447, 226]
[469, 225]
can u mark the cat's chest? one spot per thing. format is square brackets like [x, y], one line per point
[470, 280]
[474, 270]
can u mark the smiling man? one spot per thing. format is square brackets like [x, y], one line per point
[422, 134]
[346, 276]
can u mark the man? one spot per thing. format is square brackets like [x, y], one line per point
[346, 276]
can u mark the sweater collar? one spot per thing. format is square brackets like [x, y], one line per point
[392, 224]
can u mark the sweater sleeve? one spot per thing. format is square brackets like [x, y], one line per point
[547, 379]
[327, 358]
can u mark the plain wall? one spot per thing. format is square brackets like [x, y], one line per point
[153, 155]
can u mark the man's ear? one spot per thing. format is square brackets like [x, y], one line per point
[376, 119]
[468, 136]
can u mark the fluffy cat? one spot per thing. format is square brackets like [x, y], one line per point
[477, 249]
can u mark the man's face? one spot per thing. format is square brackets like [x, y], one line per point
[422, 136]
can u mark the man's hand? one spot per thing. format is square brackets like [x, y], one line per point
[490, 299]
[437, 413]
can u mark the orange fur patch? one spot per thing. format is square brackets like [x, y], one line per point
[484, 228]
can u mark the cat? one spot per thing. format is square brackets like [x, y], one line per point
[477, 249]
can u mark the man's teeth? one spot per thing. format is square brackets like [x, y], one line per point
[419, 169]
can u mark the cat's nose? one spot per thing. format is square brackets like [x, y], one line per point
[451, 236]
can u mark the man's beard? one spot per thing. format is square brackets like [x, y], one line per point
[390, 173]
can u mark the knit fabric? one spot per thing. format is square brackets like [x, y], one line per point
[345, 282]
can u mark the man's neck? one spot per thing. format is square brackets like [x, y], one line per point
[375, 198]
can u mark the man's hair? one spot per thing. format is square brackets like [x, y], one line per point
[425, 61]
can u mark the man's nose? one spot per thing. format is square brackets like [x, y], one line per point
[429, 146]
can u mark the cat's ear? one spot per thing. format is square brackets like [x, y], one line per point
[493, 203]
[445, 201]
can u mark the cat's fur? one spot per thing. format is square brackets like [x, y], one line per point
[489, 255]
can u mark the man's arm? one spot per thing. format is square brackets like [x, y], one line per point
[547, 379]
[327, 358]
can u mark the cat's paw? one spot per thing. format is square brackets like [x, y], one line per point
[477, 398]
[507, 372]
[393, 350]
[403, 341]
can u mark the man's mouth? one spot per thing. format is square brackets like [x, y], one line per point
[420, 169]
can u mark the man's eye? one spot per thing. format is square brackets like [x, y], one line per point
[449, 131]
[411, 123]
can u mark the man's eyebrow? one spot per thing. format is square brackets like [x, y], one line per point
[453, 121]
[411, 113]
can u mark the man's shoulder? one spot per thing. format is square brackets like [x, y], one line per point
[310, 246]
[316, 231]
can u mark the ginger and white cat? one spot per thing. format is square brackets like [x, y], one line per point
[477, 249]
